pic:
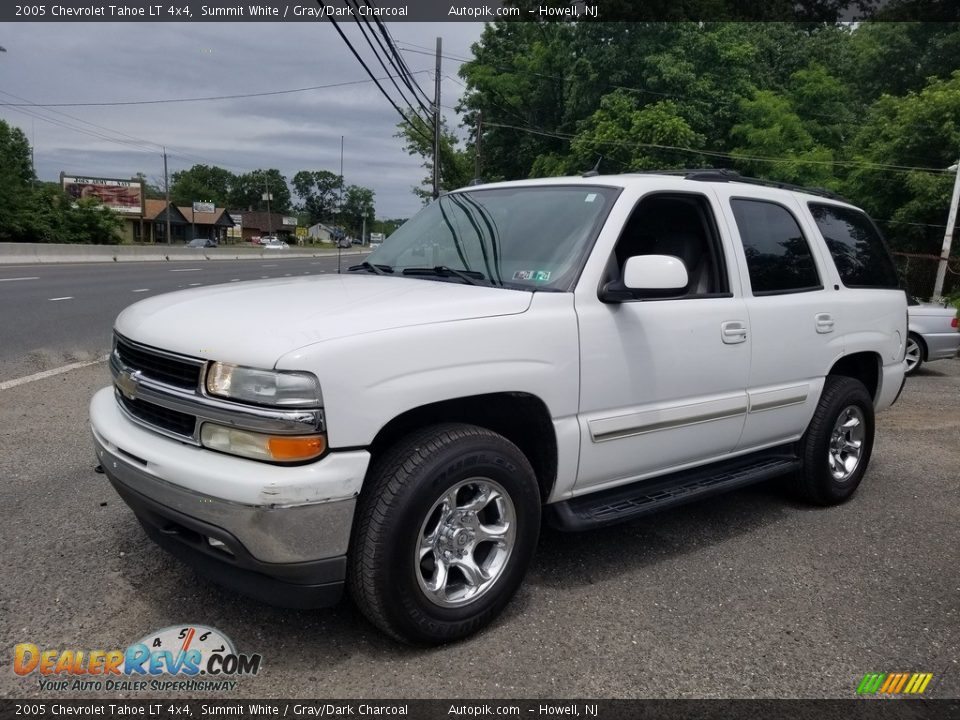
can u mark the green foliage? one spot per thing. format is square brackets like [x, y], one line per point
[358, 206]
[456, 165]
[318, 191]
[201, 183]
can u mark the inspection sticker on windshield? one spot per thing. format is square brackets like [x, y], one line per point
[590, 198]
[538, 275]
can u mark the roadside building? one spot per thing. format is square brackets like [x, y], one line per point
[256, 224]
[155, 214]
[207, 225]
[324, 233]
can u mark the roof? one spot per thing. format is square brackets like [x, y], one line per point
[219, 216]
[677, 180]
[154, 210]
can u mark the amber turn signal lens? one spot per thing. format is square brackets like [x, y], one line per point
[286, 449]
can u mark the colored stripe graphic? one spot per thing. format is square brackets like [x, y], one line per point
[894, 683]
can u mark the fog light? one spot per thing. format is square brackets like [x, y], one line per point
[272, 448]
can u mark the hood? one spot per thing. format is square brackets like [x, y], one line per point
[255, 323]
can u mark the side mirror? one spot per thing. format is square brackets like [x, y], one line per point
[646, 273]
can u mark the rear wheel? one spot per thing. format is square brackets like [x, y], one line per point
[914, 353]
[444, 534]
[835, 450]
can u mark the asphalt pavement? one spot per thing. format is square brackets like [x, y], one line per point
[752, 594]
[55, 315]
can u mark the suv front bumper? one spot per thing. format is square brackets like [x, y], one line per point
[279, 534]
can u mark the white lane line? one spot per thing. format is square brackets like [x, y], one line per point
[65, 297]
[264, 277]
[50, 373]
[268, 265]
[195, 284]
[142, 290]
[287, 275]
[187, 270]
[235, 280]
[16, 279]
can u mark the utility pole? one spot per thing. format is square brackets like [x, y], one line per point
[476, 145]
[266, 196]
[436, 123]
[340, 204]
[166, 191]
[948, 236]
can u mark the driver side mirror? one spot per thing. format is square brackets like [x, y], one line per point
[646, 273]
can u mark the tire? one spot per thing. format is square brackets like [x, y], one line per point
[446, 528]
[915, 353]
[835, 450]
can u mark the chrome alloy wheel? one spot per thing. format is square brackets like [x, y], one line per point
[913, 353]
[846, 443]
[465, 542]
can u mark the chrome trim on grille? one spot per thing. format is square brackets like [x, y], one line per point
[135, 385]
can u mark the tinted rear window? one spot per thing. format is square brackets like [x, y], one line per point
[778, 256]
[856, 246]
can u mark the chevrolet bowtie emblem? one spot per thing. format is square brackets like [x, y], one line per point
[127, 383]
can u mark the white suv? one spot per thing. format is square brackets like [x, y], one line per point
[579, 350]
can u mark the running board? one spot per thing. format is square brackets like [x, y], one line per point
[627, 502]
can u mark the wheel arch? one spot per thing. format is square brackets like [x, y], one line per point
[520, 417]
[863, 366]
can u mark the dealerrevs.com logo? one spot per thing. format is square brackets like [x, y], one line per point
[186, 658]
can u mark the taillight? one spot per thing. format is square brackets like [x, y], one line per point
[953, 323]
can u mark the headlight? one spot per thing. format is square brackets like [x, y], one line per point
[263, 387]
[274, 448]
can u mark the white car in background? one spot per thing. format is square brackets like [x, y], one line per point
[932, 333]
[275, 244]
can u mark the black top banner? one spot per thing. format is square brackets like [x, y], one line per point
[807, 11]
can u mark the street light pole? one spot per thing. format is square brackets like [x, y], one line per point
[948, 236]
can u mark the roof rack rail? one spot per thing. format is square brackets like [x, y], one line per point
[727, 175]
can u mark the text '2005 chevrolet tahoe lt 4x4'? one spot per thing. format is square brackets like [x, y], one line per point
[577, 350]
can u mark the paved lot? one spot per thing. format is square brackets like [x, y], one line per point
[749, 595]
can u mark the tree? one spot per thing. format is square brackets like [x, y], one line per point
[248, 189]
[18, 198]
[627, 137]
[319, 193]
[456, 164]
[358, 206]
[202, 183]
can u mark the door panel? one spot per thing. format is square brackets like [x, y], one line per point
[660, 387]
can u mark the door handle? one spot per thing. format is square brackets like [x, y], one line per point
[733, 332]
[824, 323]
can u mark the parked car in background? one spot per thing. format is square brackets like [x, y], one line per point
[932, 333]
[275, 244]
[202, 243]
[266, 239]
[343, 242]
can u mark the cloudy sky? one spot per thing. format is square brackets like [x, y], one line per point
[107, 62]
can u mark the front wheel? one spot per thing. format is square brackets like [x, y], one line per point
[835, 450]
[444, 534]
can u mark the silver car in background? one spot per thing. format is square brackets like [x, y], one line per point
[933, 333]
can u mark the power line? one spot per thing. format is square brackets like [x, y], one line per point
[730, 156]
[416, 128]
[202, 99]
[395, 52]
[363, 31]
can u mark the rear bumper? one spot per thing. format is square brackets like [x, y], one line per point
[942, 345]
[892, 379]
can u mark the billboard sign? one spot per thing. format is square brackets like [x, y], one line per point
[204, 207]
[237, 230]
[289, 221]
[124, 197]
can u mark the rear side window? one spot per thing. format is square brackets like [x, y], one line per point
[858, 250]
[778, 255]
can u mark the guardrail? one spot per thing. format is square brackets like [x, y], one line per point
[41, 253]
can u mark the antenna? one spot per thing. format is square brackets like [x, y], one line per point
[596, 169]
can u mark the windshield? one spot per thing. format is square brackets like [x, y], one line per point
[521, 237]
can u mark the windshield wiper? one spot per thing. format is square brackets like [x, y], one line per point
[378, 269]
[471, 277]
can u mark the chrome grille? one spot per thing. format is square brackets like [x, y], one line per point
[161, 417]
[159, 366]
